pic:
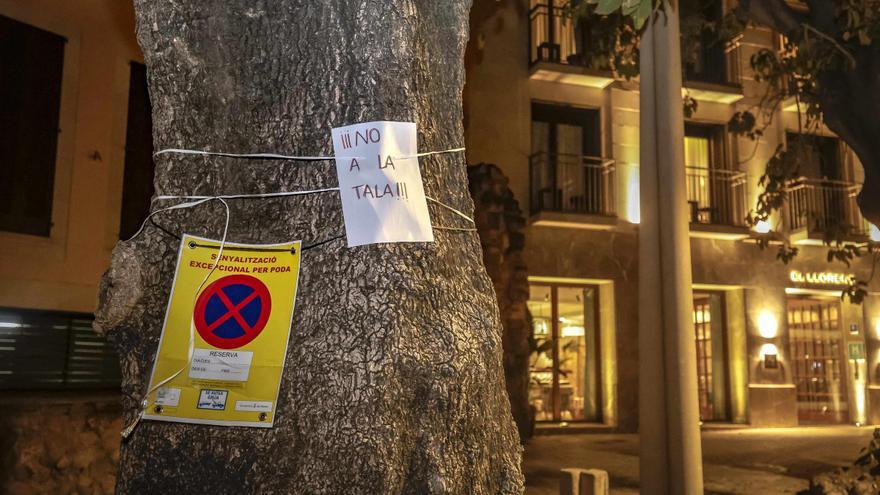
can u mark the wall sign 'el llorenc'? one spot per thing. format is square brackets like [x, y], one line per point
[821, 278]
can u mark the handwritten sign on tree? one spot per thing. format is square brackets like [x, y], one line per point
[383, 199]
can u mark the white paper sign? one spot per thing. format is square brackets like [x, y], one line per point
[383, 198]
[213, 364]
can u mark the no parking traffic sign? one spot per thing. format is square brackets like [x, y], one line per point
[232, 311]
[224, 342]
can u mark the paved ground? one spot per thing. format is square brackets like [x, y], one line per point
[742, 460]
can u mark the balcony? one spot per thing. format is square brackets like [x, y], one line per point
[816, 205]
[717, 203]
[572, 191]
[553, 48]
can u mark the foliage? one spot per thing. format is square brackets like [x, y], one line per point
[795, 73]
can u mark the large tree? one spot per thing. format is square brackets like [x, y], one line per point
[393, 382]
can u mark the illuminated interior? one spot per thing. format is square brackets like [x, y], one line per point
[564, 366]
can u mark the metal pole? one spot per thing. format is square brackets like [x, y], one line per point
[670, 454]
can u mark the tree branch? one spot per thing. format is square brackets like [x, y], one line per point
[810, 29]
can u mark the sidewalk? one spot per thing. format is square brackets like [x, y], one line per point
[747, 460]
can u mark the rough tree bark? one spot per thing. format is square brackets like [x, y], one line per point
[393, 381]
[848, 99]
[502, 235]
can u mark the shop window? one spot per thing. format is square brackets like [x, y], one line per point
[137, 184]
[564, 374]
[31, 66]
[53, 350]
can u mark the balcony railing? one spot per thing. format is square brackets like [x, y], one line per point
[553, 37]
[716, 196]
[572, 184]
[820, 204]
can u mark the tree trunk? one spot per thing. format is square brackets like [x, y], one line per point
[393, 382]
[502, 234]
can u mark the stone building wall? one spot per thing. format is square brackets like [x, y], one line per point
[51, 445]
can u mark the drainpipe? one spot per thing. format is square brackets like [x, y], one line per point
[670, 454]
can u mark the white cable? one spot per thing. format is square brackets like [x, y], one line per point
[174, 207]
[274, 156]
[459, 229]
[268, 156]
[192, 339]
[469, 219]
[254, 195]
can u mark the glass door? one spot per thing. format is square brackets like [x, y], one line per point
[564, 374]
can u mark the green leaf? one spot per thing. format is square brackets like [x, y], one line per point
[643, 13]
[631, 6]
[608, 6]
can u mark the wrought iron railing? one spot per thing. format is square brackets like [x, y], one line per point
[821, 204]
[716, 196]
[572, 184]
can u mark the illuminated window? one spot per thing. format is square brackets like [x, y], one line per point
[564, 373]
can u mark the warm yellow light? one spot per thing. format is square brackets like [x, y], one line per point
[768, 325]
[762, 227]
[633, 208]
[861, 410]
[769, 349]
[877, 329]
[572, 331]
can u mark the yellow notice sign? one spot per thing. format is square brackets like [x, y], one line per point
[223, 344]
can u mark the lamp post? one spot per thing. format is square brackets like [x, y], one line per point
[670, 454]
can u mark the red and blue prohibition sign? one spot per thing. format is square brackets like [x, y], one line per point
[232, 311]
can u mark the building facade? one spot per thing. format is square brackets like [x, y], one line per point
[76, 172]
[776, 345]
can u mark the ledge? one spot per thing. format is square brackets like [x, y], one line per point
[570, 74]
[718, 93]
[573, 221]
[807, 237]
[719, 232]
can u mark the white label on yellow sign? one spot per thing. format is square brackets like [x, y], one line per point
[213, 364]
[168, 397]
[253, 405]
[236, 324]
[213, 399]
